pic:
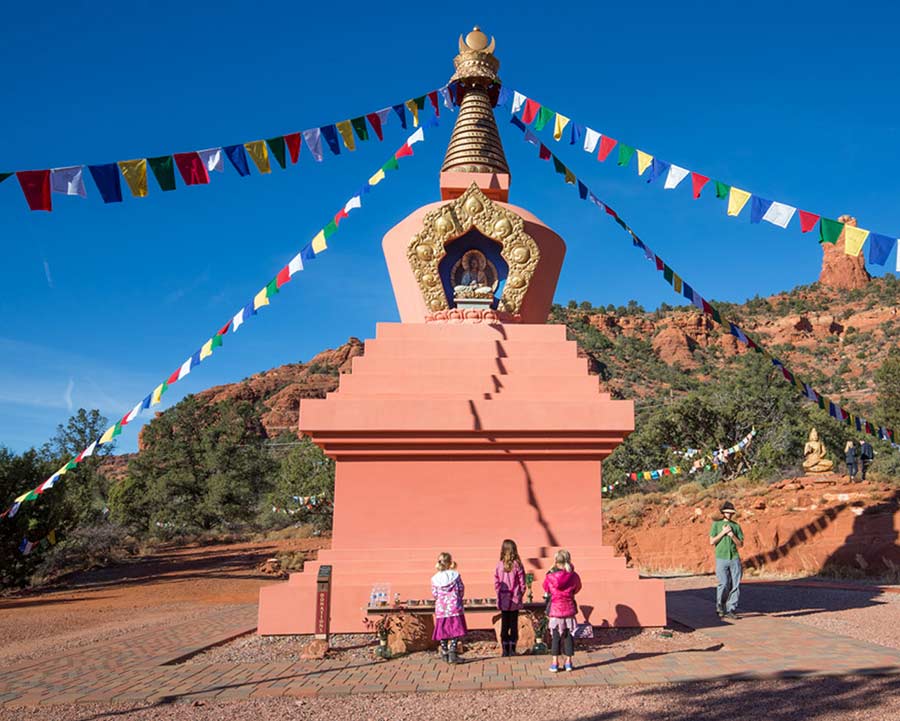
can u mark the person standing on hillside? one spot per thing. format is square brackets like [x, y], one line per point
[726, 536]
[866, 456]
[851, 457]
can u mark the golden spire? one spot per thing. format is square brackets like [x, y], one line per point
[475, 145]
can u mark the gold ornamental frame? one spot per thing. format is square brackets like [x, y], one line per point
[443, 225]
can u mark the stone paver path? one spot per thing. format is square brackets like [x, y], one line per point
[143, 667]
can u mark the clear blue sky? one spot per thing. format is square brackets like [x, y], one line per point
[792, 100]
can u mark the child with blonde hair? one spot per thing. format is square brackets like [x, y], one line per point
[560, 587]
[509, 584]
[449, 618]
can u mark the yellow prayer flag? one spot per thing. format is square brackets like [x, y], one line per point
[135, 174]
[260, 154]
[346, 131]
[414, 109]
[108, 436]
[559, 124]
[63, 471]
[206, 349]
[377, 178]
[318, 243]
[570, 177]
[676, 282]
[21, 498]
[156, 397]
[260, 299]
[737, 199]
[854, 239]
[644, 160]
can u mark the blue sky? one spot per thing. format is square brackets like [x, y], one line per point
[101, 303]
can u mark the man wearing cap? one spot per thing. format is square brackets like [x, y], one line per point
[866, 456]
[726, 536]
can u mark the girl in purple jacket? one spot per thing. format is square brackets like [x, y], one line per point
[449, 619]
[509, 585]
[561, 585]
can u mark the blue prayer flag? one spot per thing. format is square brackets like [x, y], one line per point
[195, 359]
[576, 133]
[106, 178]
[687, 291]
[249, 309]
[758, 208]
[401, 111]
[238, 157]
[146, 402]
[330, 133]
[505, 95]
[657, 167]
[880, 247]
[582, 190]
[308, 253]
[514, 119]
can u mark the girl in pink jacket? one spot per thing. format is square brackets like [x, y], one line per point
[561, 585]
[449, 619]
[509, 584]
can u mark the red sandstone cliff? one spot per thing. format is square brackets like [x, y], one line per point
[840, 270]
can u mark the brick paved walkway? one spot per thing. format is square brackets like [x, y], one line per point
[142, 667]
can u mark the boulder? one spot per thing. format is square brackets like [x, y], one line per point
[314, 650]
[411, 633]
[527, 622]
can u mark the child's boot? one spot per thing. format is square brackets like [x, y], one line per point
[452, 657]
[445, 654]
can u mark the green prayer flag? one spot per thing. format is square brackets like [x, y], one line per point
[4, 176]
[32, 495]
[70, 465]
[392, 164]
[829, 230]
[420, 102]
[558, 166]
[822, 402]
[117, 430]
[163, 169]
[716, 317]
[271, 289]
[668, 274]
[276, 145]
[359, 125]
[625, 153]
[330, 229]
[544, 116]
[722, 190]
[217, 339]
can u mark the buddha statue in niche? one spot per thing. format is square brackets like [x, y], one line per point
[474, 276]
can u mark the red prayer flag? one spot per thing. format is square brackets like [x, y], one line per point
[284, 275]
[544, 153]
[342, 213]
[174, 377]
[36, 187]
[606, 146]
[293, 143]
[405, 150]
[659, 263]
[698, 182]
[432, 96]
[807, 221]
[224, 328]
[192, 168]
[610, 211]
[375, 122]
[707, 308]
[532, 108]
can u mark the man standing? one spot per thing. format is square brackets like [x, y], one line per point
[866, 456]
[726, 536]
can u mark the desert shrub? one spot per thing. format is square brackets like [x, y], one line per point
[88, 546]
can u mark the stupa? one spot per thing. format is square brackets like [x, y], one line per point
[473, 419]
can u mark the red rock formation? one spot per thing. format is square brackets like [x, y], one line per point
[840, 270]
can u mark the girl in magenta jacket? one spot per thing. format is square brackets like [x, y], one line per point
[449, 619]
[561, 585]
[509, 585]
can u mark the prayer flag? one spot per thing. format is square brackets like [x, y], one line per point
[237, 157]
[558, 166]
[375, 122]
[272, 287]
[108, 434]
[559, 125]
[182, 372]
[829, 230]
[135, 174]
[330, 133]
[676, 282]
[880, 247]
[737, 199]
[779, 214]
[433, 97]
[675, 176]
[89, 451]
[606, 147]
[576, 133]
[722, 190]
[404, 151]
[339, 216]
[106, 178]
[4, 176]
[259, 300]
[359, 125]
[544, 116]
[292, 140]
[164, 171]
[854, 239]
[698, 181]
[401, 113]
[35, 185]
[391, 164]
[212, 159]
[284, 275]
[416, 137]
[582, 190]
[643, 162]
[570, 177]
[174, 377]
[260, 155]
[296, 265]
[414, 109]
[448, 99]
[625, 153]
[591, 138]
[531, 137]
[532, 108]
[329, 229]
[353, 203]
[318, 243]
[807, 221]
[377, 178]
[518, 102]
[277, 146]
[313, 139]
[758, 208]
[68, 181]
[657, 168]
[346, 131]
[192, 169]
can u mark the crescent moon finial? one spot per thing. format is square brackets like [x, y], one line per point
[490, 48]
[462, 45]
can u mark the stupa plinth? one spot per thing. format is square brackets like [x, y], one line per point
[467, 422]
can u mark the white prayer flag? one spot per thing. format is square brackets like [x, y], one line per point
[416, 137]
[134, 413]
[591, 138]
[445, 94]
[185, 369]
[354, 202]
[296, 265]
[212, 159]
[237, 320]
[779, 214]
[518, 102]
[313, 140]
[675, 176]
[68, 181]
[89, 451]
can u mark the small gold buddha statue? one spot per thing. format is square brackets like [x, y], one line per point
[815, 457]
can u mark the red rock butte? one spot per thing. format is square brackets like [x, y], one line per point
[472, 420]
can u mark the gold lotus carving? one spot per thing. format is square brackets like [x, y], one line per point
[443, 225]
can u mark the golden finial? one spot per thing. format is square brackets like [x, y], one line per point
[476, 41]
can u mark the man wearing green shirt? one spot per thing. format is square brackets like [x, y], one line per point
[726, 536]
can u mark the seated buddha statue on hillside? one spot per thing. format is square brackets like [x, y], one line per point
[815, 458]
